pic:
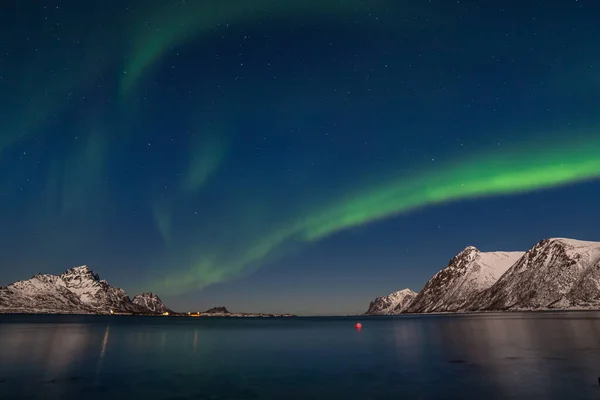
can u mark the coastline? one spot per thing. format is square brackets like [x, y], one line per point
[201, 315]
[516, 310]
[263, 315]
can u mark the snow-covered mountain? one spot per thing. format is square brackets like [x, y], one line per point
[77, 290]
[151, 302]
[467, 274]
[555, 273]
[95, 293]
[394, 303]
[40, 294]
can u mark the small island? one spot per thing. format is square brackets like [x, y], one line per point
[224, 312]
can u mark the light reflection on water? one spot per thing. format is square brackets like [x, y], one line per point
[547, 355]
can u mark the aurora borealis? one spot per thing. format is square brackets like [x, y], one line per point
[292, 156]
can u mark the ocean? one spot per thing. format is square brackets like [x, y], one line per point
[548, 355]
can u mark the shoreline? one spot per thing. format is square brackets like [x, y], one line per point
[261, 315]
[180, 315]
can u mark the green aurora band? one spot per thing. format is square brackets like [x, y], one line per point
[518, 170]
[72, 180]
[521, 169]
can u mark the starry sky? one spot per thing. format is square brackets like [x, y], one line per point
[298, 156]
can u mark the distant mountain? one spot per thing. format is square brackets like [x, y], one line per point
[217, 310]
[467, 274]
[394, 303]
[76, 291]
[224, 312]
[151, 302]
[555, 273]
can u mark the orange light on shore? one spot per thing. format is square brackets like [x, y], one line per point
[166, 313]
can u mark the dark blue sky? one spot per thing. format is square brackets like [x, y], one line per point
[292, 156]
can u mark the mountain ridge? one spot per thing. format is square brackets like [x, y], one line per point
[393, 303]
[467, 273]
[77, 290]
[556, 273]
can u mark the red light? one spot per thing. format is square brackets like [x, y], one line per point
[358, 325]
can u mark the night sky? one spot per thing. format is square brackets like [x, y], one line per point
[292, 156]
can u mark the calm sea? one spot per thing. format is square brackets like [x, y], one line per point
[492, 356]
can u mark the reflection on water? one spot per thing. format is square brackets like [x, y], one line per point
[104, 341]
[548, 355]
[55, 351]
[195, 340]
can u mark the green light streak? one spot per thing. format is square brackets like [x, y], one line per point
[208, 270]
[522, 169]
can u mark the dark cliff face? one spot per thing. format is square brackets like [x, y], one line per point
[585, 292]
[440, 283]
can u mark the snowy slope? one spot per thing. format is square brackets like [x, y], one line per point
[556, 273]
[467, 274]
[40, 294]
[95, 293]
[150, 302]
[77, 290]
[394, 303]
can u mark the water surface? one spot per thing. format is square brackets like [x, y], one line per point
[491, 356]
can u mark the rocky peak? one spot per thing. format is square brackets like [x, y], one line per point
[150, 302]
[393, 303]
[83, 269]
[465, 257]
[405, 292]
[77, 290]
[467, 273]
[146, 295]
[95, 293]
[547, 273]
[458, 264]
[79, 273]
[46, 278]
[558, 253]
